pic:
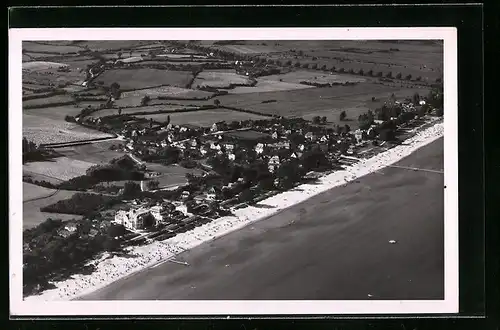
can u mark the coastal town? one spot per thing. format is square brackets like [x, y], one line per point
[164, 174]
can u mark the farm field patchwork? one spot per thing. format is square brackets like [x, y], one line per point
[48, 101]
[32, 46]
[62, 168]
[311, 102]
[130, 79]
[203, 118]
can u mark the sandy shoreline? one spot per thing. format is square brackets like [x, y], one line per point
[112, 269]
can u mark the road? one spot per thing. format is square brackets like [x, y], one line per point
[332, 246]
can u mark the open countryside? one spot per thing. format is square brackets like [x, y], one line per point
[140, 148]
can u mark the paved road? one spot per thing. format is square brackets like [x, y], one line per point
[333, 246]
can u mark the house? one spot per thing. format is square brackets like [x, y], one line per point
[310, 136]
[231, 156]
[293, 155]
[214, 128]
[203, 150]
[301, 147]
[136, 219]
[185, 194]
[324, 138]
[422, 102]
[273, 163]
[229, 146]
[274, 135]
[259, 148]
[71, 227]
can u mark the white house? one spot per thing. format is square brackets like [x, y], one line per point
[259, 148]
[214, 128]
[135, 218]
[231, 156]
[324, 138]
[301, 147]
[422, 102]
[274, 135]
[310, 136]
[274, 161]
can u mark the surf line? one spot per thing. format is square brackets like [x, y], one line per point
[416, 169]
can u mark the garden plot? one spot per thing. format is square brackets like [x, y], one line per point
[131, 79]
[62, 168]
[314, 76]
[32, 46]
[43, 102]
[264, 85]
[56, 113]
[43, 130]
[203, 118]
[220, 79]
[42, 65]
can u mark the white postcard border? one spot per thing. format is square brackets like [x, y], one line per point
[19, 307]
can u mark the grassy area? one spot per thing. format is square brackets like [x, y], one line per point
[62, 168]
[48, 101]
[220, 79]
[55, 113]
[132, 110]
[32, 46]
[45, 130]
[265, 85]
[97, 153]
[32, 216]
[130, 79]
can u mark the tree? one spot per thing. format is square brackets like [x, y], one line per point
[119, 111]
[297, 64]
[153, 184]
[408, 77]
[398, 76]
[370, 73]
[316, 120]
[379, 74]
[216, 102]
[361, 72]
[324, 120]
[347, 128]
[342, 115]
[119, 54]
[416, 98]
[131, 189]
[419, 78]
[389, 74]
[145, 100]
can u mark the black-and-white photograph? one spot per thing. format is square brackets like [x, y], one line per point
[236, 169]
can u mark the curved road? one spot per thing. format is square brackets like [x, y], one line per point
[332, 246]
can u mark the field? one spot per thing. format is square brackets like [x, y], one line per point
[219, 79]
[31, 191]
[313, 76]
[32, 46]
[130, 79]
[132, 110]
[170, 175]
[169, 91]
[311, 102]
[40, 65]
[31, 209]
[265, 85]
[48, 101]
[51, 77]
[55, 113]
[115, 45]
[203, 118]
[97, 153]
[62, 168]
[45, 130]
